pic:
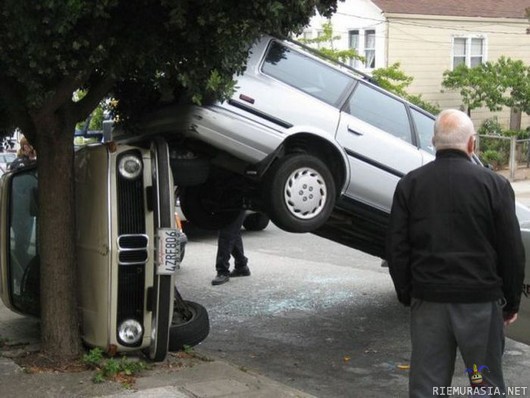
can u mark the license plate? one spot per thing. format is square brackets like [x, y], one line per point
[168, 254]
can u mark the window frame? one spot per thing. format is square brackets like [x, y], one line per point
[468, 56]
[336, 101]
[362, 48]
[409, 136]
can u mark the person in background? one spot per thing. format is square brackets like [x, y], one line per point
[26, 155]
[456, 257]
[229, 243]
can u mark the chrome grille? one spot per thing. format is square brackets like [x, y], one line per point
[131, 208]
[133, 246]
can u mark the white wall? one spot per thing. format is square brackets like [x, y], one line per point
[354, 15]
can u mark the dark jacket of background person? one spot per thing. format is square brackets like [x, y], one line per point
[465, 243]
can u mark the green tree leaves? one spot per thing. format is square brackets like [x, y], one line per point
[140, 52]
[505, 82]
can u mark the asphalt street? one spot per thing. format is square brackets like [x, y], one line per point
[314, 315]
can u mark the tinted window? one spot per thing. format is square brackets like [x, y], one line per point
[425, 128]
[305, 73]
[24, 276]
[380, 110]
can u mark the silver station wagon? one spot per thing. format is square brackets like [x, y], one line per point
[314, 145]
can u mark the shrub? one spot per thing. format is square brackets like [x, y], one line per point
[492, 157]
[490, 126]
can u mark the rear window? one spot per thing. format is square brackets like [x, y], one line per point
[306, 74]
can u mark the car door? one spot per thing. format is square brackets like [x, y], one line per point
[376, 132]
[520, 330]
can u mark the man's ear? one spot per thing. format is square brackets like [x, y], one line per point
[471, 145]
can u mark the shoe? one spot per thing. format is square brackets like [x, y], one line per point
[243, 271]
[220, 279]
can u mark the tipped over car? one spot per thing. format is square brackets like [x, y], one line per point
[128, 250]
[313, 144]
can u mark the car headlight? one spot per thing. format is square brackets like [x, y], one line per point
[130, 331]
[130, 166]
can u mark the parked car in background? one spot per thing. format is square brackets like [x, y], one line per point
[520, 330]
[5, 159]
[128, 249]
[254, 221]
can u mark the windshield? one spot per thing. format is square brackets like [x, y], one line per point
[23, 253]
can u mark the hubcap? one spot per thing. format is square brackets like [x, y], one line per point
[305, 193]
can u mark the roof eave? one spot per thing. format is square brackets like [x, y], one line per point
[390, 15]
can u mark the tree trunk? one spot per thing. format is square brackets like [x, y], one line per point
[60, 332]
[515, 119]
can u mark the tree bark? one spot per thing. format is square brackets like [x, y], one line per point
[515, 119]
[60, 331]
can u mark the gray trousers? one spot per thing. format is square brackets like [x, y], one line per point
[437, 329]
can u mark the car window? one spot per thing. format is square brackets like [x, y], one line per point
[23, 253]
[380, 110]
[425, 128]
[305, 73]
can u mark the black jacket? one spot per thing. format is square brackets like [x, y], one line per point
[454, 235]
[20, 162]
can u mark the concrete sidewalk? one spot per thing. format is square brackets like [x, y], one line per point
[178, 377]
[522, 191]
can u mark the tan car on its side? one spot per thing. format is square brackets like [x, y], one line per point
[128, 248]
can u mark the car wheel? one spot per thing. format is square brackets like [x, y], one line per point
[299, 193]
[256, 222]
[201, 208]
[188, 329]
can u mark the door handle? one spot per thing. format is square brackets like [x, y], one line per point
[352, 130]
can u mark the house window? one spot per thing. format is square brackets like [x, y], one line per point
[369, 49]
[353, 38]
[307, 35]
[469, 51]
[363, 42]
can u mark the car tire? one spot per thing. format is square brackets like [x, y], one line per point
[256, 222]
[299, 193]
[189, 332]
[203, 211]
